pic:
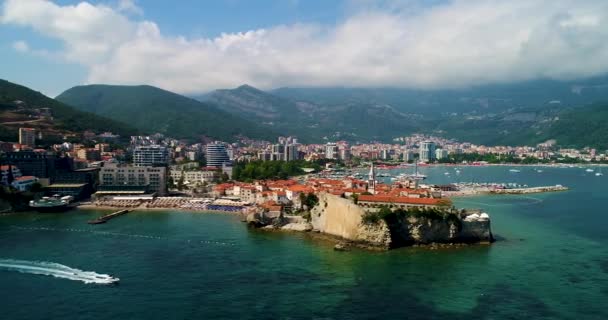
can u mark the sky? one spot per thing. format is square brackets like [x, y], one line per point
[192, 46]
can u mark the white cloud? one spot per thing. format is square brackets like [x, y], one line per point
[21, 46]
[129, 6]
[446, 45]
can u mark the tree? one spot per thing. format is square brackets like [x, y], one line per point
[180, 182]
[224, 177]
[36, 187]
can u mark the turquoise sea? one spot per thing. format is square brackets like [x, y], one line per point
[551, 262]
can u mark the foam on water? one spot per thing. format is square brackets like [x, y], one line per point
[56, 270]
[117, 234]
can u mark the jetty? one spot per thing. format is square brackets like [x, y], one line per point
[555, 188]
[107, 217]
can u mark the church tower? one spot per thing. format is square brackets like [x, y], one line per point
[371, 181]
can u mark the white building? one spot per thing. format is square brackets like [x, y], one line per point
[152, 155]
[114, 176]
[441, 154]
[196, 176]
[427, 151]
[331, 151]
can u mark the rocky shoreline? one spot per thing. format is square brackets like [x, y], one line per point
[341, 220]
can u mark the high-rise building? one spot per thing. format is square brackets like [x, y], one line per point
[331, 151]
[27, 136]
[344, 153]
[217, 155]
[385, 154]
[152, 155]
[277, 152]
[427, 151]
[291, 152]
[408, 156]
[441, 154]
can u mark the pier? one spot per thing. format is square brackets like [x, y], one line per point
[470, 189]
[530, 190]
[104, 219]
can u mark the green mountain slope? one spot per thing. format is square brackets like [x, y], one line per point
[582, 127]
[64, 117]
[155, 110]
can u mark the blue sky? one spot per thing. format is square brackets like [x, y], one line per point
[193, 47]
[191, 18]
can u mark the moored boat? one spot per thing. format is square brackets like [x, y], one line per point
[52, 204]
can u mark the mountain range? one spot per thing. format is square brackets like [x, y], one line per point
[151, 110]
[573, 112]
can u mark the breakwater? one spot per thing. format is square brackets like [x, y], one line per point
[528, 190]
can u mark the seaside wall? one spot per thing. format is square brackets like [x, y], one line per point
[341, 217]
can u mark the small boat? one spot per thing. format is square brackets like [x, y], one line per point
[446, 173]
[514, 170]
[589, 170]
[597, 174]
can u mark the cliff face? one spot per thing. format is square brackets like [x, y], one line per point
[410, 230]
[341, 217]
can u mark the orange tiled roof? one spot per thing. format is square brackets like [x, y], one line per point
[300, 188]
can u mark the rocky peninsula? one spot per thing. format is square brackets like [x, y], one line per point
[382, 227]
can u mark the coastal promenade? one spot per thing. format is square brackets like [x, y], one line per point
[172, 203]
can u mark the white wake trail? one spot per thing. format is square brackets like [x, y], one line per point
[56, 270]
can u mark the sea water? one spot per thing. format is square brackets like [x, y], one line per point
[550, 262]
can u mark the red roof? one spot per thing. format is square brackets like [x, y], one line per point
[390, 199]
[300, 188]
[25, 178]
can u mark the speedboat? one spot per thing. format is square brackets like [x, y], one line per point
[589, 170]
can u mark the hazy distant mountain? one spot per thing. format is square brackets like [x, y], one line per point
[312, 121]
[482, 99]
[513, 114]
[21, 107]
[155, 110]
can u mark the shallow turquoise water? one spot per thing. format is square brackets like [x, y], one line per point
[551, 263]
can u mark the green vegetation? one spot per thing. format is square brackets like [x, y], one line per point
[582, 127]
[309, 200]
[394, 216]
[18, 201]
[65, 117]
[151, 109]
[264, 170]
